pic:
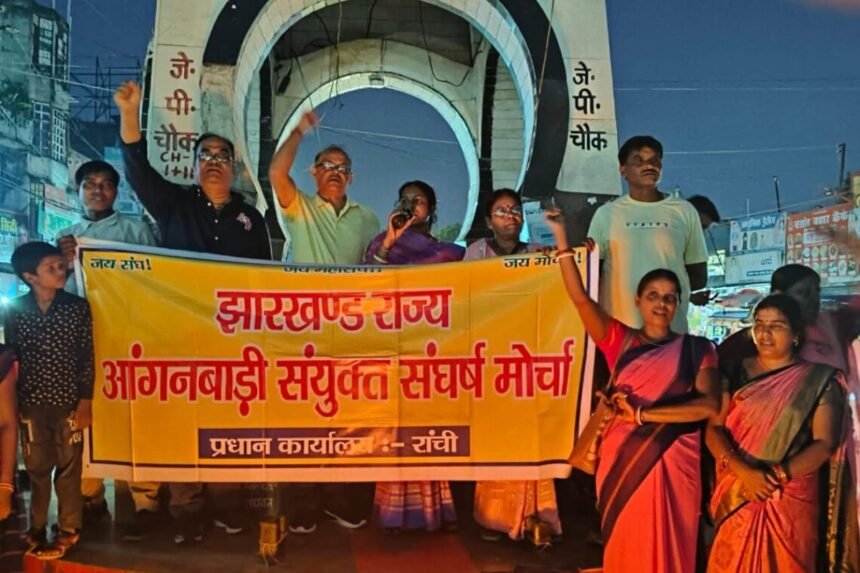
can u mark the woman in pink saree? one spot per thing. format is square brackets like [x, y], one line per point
[663, 386]
[783, 500]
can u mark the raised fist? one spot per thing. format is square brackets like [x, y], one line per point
[127, 97]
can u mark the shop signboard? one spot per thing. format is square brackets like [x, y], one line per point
[810, 241]
[760, 233]
[749, 268]
[13, 231]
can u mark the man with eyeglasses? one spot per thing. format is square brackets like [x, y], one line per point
[646, 230]
[328, 227]
[209, 216]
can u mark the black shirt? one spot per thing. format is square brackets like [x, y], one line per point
[188, 220]
[55, 349]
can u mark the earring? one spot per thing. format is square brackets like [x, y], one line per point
[796, 342]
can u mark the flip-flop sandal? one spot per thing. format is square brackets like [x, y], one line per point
[36, 538]
[64, 542]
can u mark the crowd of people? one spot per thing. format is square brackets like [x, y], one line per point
[759, 427]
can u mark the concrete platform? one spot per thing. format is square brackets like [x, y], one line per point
[331, 549]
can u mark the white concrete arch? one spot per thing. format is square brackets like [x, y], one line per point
[363, 80]
[490, 18]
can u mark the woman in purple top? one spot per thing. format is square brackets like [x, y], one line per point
[413, 504]
[407, 240]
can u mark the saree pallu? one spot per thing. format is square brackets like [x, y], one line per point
[414, 505]
[648, 479]
[414, 248]
[811, 525]
[505, 505]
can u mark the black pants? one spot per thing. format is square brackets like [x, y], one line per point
[53, 445]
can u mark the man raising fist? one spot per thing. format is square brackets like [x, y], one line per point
[209, 216]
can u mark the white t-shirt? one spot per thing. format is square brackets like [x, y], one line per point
[636, 237]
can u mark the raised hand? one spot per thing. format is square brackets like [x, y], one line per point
[308, 122]
[127, 97]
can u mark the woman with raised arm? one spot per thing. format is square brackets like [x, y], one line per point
[663, 386]
[782, 433]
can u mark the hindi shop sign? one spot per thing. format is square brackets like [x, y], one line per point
[809, 242]
[240, 371]
[750, 268]
[761, 233]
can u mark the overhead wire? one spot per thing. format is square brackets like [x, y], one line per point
[391, 135]
[430, 59]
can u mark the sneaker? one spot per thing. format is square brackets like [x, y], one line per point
[345, 522]
[302, 529]
[229, 524]
[303, 523]
[189, 530]
[140, 528]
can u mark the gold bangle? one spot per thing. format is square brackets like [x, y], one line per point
[564, 255]
[781, 474]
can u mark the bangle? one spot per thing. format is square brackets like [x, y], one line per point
[564, 255]
[379, 259]
[7, 486]
[563, 251]
[725, 459]
[638, 416]
[781, 474]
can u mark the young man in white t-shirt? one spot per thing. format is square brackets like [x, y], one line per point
[645, 230]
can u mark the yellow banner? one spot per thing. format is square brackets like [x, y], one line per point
[213, 369]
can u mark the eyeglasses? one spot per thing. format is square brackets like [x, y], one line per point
[512, 212]
[343, 169]
[668, 299]
[223, 157]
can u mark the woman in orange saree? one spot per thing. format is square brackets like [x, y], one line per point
[664, 385]
[783, 500]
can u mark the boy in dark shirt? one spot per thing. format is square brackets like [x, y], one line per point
[52, 332]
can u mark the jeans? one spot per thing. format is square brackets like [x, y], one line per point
[53, 445]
